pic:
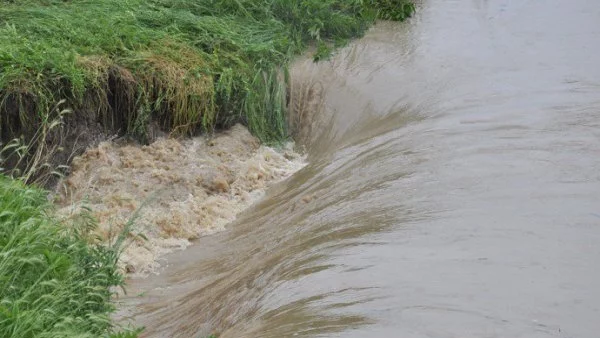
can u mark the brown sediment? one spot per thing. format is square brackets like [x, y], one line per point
[184, 189]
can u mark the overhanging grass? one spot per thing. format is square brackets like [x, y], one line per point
[188, 64]
[52, 283]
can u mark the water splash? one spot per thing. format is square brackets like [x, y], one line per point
[186, 189]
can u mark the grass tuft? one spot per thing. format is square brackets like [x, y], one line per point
[52, 282]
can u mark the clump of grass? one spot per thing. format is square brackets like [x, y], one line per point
[30, 160]
[395, 10]
[190, 65]
[52, 282]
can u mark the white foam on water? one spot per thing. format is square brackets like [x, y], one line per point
[183, 189]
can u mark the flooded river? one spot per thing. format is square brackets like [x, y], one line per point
[453, 190]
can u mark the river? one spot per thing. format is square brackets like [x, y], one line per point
[452, 190]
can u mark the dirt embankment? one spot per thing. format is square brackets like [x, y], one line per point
[183, 188]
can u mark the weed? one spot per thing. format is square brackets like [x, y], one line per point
[30, 160]
[52, 282]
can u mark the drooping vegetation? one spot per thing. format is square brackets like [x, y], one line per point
[52, 282]
[185, 65]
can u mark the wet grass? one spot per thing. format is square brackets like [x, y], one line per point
[52, 282]
[191, 65]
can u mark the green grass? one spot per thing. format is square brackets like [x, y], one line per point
[52, 282]
[191, 65]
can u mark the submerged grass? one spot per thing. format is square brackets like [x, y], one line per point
[52, 282]
[190, 65]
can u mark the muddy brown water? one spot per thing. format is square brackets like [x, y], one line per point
[453, 190]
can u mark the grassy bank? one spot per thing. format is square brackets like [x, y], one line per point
[181, 66]
[52, 282]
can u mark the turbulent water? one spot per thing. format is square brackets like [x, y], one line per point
[453, 190]
[171, 191]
